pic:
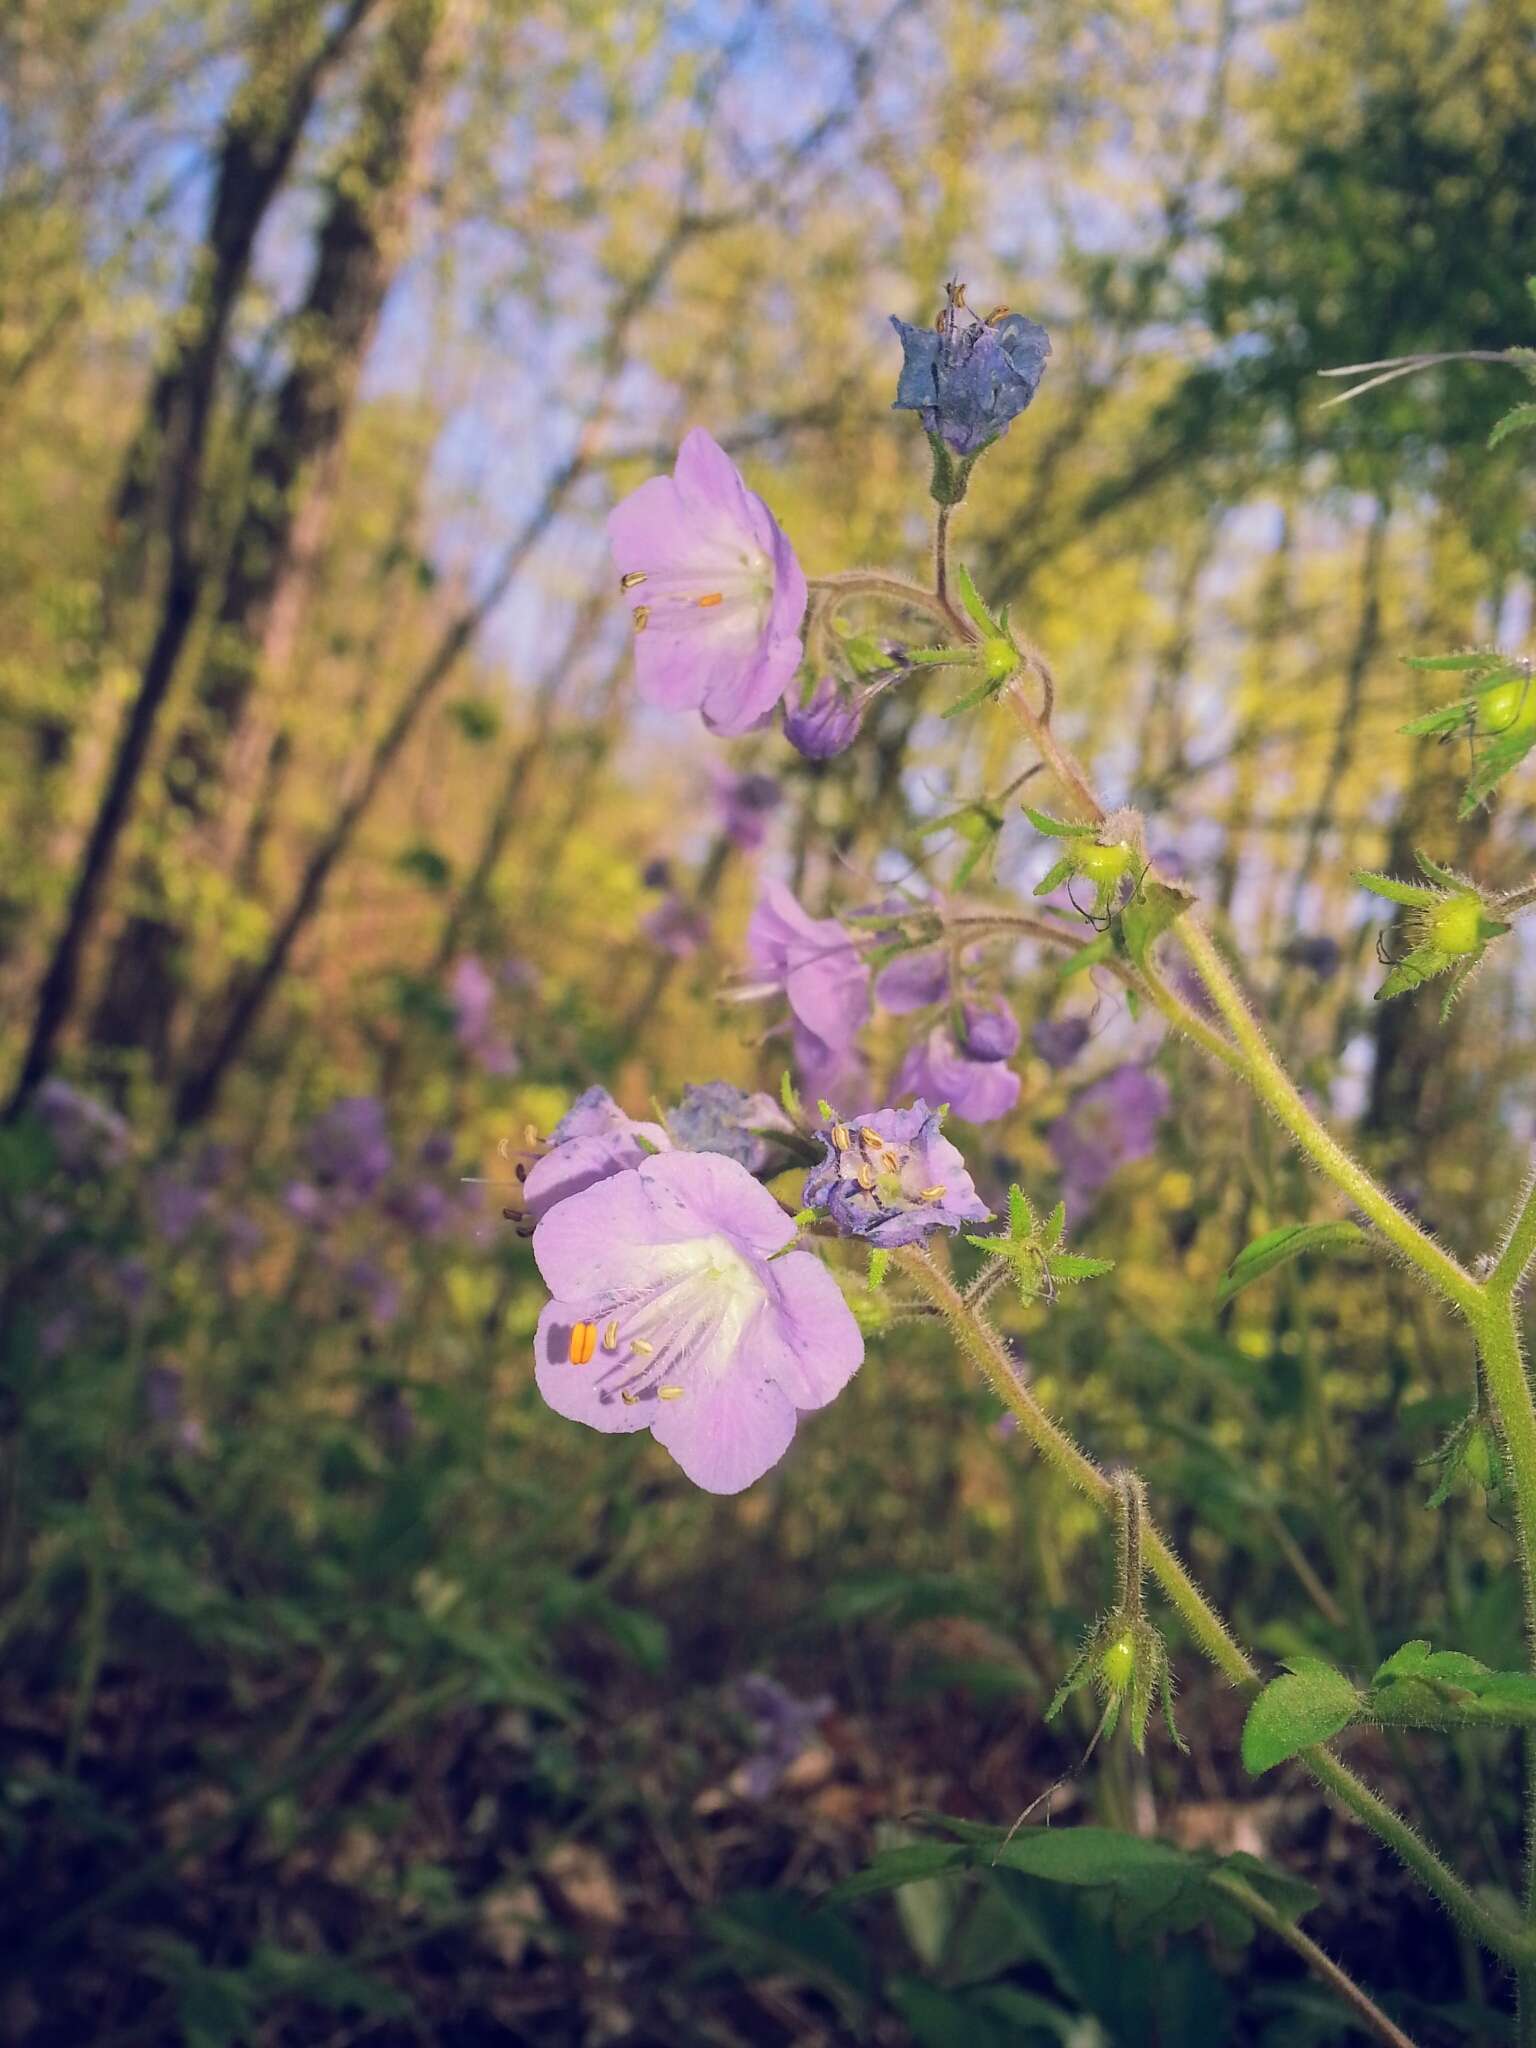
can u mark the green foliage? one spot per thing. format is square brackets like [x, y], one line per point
[1031, 1247]
[1277, 1248]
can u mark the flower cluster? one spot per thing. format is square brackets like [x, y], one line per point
[891, 1176]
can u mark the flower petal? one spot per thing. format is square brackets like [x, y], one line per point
[726, 1435]
[816, 1344]
[581, 1393]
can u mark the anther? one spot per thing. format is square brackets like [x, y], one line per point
[520, 1171]
[513, 1215]
[931, 1194]
[611, 1335]
[669, 1393]
[840, 1137]
[639, 1344]
[531, 1138]
[630, 1400]
[629, 582]
[714, 597]
[873, 1140]
[583, 1343]
[641, 616]
[995, 315]
[865, 1178]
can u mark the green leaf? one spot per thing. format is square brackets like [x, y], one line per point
[1056, 828]
[782, 1934]
[913, 1863]
[1153, 910]
[1414, 893]
[1467, 660]
[1403, 1661]
[1295, 1711]
[1520, 419]
[1278, 1247]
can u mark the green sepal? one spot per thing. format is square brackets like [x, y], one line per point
[1057, 828]
[793, 1107]
[1416, 894]
[1154, 909]
[1469, 659]
[1445, 877]
[1414, 969]
[1055, 876]
[976, 611]
[951, 472]
[1520, 419]
[879, 1265]
[1446, 719]
[1502, 754]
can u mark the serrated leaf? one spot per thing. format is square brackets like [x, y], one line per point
[1295, 1711]
[1416, 894]
[1520, 419]
[1056, 828]
[1278, 1247]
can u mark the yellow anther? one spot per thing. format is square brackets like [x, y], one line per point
[630, 1400]
[641, 616]
[840, 1137]
[583, 1343]
[639, 1344]
[865, 1177]
[873, 1140]
[531, 1137]
[611, 1335]
[931, 1194]
[996, 314]
[714, 597]
[634, 577]
[669, 1393]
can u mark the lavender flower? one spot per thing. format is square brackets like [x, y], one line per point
[473, 993]
[176, 1206]
[979, 1091]
[349, 1148]
[676, 927]
[991, 1031]
[1058, 1040]
[913, 981]
[782, 1725]
[679, 1308]
[83, 1131]
[746, 803]
[715, 1117]
[893, 1177]
[817, 965]
[970, 379]
[825, 723]
[719, 596]
[421, 1207]
[372, 1289]
[591, 1142]
[1110, 1123]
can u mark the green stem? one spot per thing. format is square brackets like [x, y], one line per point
[1366, 2010]
[1518, 1248]
[985, 1348]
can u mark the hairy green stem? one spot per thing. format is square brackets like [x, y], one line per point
[1366, 2010]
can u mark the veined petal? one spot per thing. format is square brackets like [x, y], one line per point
[727, 1436]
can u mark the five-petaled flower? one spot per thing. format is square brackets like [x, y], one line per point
[969, 378]
[591, 1142]
[893, 1177]
[717, 595]
[818, 967]
[679, 1308]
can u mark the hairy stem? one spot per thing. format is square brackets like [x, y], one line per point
[1366, 2010]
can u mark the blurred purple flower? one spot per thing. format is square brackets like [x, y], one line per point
[1110, 1123]
[592, 1141]
[715, 1117]
[176, 1206]
[436, 1150]
[817, 965]
[656, 874]
[60, 1332]
[243, 1235]
[715, 1336]
[349, 1148]
[978, 1091]
[746, 803]
[130, 1280]
[473, 993]
[782, 1725]
[969, 379]
[676, 927]
[1059, 1039]
[305, 1203]
[420, 1206]
[824, 724]
[893, 1177]
[163, 1395]
[913, 981]
[84, 1132]
[718, 594]
[1316, 953]
[372, 1289]
[991, 1031]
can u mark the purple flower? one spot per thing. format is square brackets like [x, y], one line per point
[1111, 1122]
[1058, 1040]
[978, 1090]
[349, 1147]
[1317, 953]
[991, 1031]
[668, 1291]
[305, 1203]
[823, 724]
[781, 1727]
[968, 378]
[715, 1117]
[591, 1142]
[83, 1131]
[676, 927]
[913, 981]
[893, 1177]
[473, 994]
[746, 803]
[420, 1206]
[373, 1290]
[817, 965]
[176, 1206]
[718, 594]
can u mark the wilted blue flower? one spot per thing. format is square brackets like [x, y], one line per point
[1113, 1121]
[349, 1146]
[825, 724]
[594, 1140]
[781, 1727]
[979, 1091]
[746, 803]
[969, 378]
[893, 1177]
[913, 981]
[715, 1117]
[990, 1031]
[1058, 1040]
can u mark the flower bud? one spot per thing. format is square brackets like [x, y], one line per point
[826, 724]
[1117, 1664]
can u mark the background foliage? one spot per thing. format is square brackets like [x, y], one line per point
[348, 1696]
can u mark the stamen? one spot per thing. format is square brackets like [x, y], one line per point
[641, 616]
[513, 1215]
[611, 1336]
[520, 1171]
[629, 1400]
[639, 1344]
[995, 315]
[873, 1140]
[583, 1343]
[931, 1194]
[531, 1137]
[669, 1393]
[865, 1178]
[634, 578]
[714, 597]
[840, 1137]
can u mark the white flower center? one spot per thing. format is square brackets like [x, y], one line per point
[681, 1322]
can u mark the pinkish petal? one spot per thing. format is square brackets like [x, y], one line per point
[817, 1347]
[581, 1393]
[728, 1434]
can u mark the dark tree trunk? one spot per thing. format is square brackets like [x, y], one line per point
[261, 133]
[290, 491]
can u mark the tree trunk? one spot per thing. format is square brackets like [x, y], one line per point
[261, 134]
[290, 493]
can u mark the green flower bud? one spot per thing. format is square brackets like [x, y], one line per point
[999, 659]
[1508, 707]
[1457, 925]
[1104, 866]
[1117, 1664]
